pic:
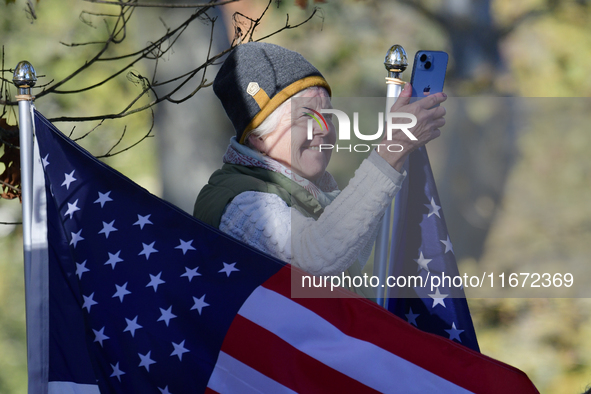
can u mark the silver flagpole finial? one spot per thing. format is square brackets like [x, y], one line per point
[395, 61]
[24, 76]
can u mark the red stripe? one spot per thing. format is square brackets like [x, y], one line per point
[273, 357]
[210, 391]
[365, 320]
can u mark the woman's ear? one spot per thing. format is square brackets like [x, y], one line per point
[257, 143]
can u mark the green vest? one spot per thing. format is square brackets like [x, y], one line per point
[232, 179]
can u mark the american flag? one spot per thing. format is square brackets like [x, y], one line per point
[421, 246]
[143, 298]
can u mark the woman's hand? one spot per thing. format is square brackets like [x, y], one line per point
[429, 119]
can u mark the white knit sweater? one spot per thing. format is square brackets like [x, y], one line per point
[344, 233]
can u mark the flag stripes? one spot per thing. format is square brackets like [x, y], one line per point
[295, 370]
[232, 376]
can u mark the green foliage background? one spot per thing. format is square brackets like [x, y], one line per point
[542, 218]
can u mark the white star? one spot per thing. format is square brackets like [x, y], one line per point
[166, 315]
[116, 371]
[108, 228]
[438, 298]
[76, 237]
[191, 273]
[155, 281]
[454, 333]
[132, 326]
[69, 179]
[448, 245]
[412, 317]
[179, 349]
[146, 360]
[121, 291]
[228, 269]
[184, 246]
[89, 302]
[114, 259]
[103, 198]
[422, 262]
[71, 209]
[99, 336]
[164, 390]
[143, 220]
[199, 303]
[433, 208]
[45, 161]
[81, 268]
[147, 250]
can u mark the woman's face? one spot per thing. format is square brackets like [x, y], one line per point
[289, 144]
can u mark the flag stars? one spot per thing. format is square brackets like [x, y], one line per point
[448, 245]
[228, 269]
[121, 291]
[147, 250]
[412, 317]
[76, 237]
[438, 298]
[132, 326]
[142, 221]
[117, 372]
[99, 336]
[103, 198]
[191, 273]
[164, 390]
[422, 262]
[108, 228]
[146, 361]
[114, 259]
[454, 333]
[88, 302]
[433, 208]
[166, 315]
[199, 304]
[71, 209]
[155, 281]
[45, 160]
[179, 350]
[81, 268]
[69, 179]
[185, 246]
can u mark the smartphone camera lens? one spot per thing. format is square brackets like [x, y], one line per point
[423, 57]
[427, 65]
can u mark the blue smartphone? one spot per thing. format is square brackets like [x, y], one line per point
[428, 73]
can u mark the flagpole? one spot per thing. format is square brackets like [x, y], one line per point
[395, 63]
[24, 78]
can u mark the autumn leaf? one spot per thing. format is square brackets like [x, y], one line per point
[10, 178]
[304, 3]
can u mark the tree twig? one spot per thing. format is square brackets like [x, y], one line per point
[161, 5]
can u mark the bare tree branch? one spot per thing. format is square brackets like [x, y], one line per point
[31, 10]
[147, 135]
[160, 5]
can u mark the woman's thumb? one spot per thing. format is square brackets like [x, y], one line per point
[404, 97]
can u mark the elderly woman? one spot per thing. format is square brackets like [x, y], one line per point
[274, 192]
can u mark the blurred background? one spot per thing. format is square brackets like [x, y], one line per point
[515, 193]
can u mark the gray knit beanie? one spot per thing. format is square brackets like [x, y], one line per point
[256, 78]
